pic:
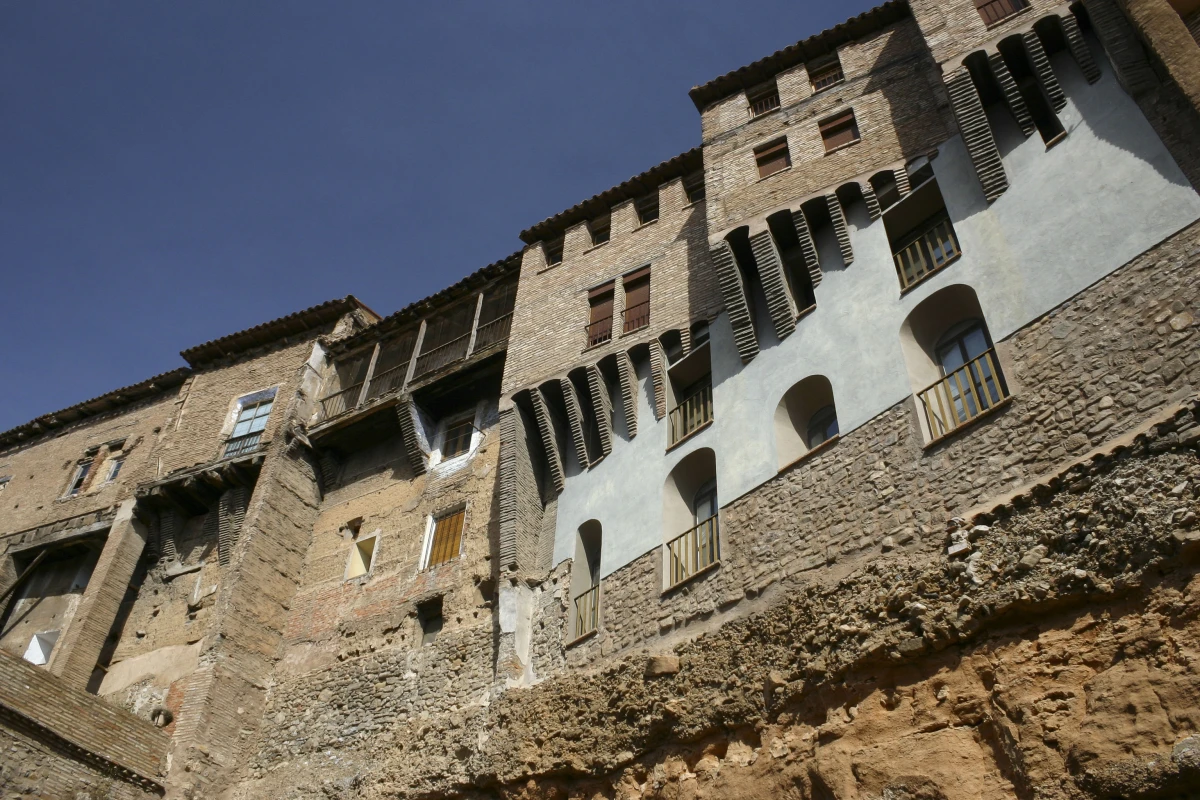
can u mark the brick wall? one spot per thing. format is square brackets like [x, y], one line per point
[954, 29]
[1092, 368]
[894, 89]
[548, 336]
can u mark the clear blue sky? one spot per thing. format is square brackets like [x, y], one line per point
[173, 172]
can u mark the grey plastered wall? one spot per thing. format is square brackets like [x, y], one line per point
[1071, 215]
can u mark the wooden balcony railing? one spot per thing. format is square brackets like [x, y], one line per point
[637, 317]
[963, 395]
[440, 356]
[241, 445]
[692, 414]
[932, 249]
[994, 11]
[695, 550]
[493, 333]
[763, 104]
[599, 332]
[340, 401]
[387, 381]
[587, 611]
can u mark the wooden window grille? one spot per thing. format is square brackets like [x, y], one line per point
[599, 327]
[647, 208]
[825, 76]
[693, 551]
[495, 316]
[763, 100]
[693, 187]
[963, 394]
[839, 131]
[693, 412]
[932, 248]
[554, 251]
[600, 229]
[994, 11]
[772, 157]
[637, 300]
[457, 439]
[447, 537]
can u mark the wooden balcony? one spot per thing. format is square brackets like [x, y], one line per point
[693, 552]
[692, 414]
[930, 250]
[963, 395]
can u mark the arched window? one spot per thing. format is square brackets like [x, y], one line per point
[805, 418]
[690, 517]
[952, 364]
[585, 579]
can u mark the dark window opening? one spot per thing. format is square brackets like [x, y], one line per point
[647, 208]
[763, 99]
[823, 76]
[886, 190]
[839, 131]
[599, 327]
[743, 256]
[554, 251]
[699, 333]
[1049, 127]
[795, 270]
[995, 11]
[457, 439]
[637, 300]
[600, 229]
[823, 426]
[80, 479]
[772, 157]
[429, 616]
[693, 187]
[921, 234]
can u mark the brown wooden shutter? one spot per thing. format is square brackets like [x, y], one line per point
[600, 317]
[772, 158]
[637, 300]
[447, 536]
[839, 130]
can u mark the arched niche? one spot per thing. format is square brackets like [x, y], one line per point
[806, 417]
[585, 578]
[695, 471]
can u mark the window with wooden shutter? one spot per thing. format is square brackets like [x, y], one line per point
[839, 131]
[637, 300]
[993, 11]
[457, 439]
[772, 157]
[599, 328]
[447, 537]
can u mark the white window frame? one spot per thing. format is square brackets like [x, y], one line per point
[439, 437]
[240, 402]
[113, 464]
[431, 525]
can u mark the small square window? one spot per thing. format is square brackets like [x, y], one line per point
[693, 187]
[457, 439]
[554, 251]
[446, 539]
[839, 131]
[763, 99]
[429, 615]
[600, 228]
[825, 75]
[995, 11]
[647, 208]
[772, 157]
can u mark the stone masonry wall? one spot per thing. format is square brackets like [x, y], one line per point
[42, 470]
[1093, 367]
[548, 331]
[895, 91]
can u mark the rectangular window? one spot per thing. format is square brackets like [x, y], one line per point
[772, 157]
[362, 557]
[114, 469]
[994, 11]
[647, 208]
[763, 99]
[80, 479]
[251, 421]
[600, 228]
[599, 327]
[839, 131]
[429, 615]
[826, 75]
[554, 251]
[693, 186]
[446, 539]
[637, 300]
[457, 439]
[4, 482]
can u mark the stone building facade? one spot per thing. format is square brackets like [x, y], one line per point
[852, 453]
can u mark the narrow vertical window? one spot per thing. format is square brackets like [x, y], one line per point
[772, 157]
[114, 469]
[647, 208]
[599, 327]
[446, 539]
[693, 187]
[253, 412]
[839, 131]
[429, 617]
[80, 479]
[600, 229]
[457, 439]
[637, 300]
[554, 251]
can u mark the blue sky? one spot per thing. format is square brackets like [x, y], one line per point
[174, 172]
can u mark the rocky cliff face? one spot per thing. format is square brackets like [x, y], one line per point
[1047, 647]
